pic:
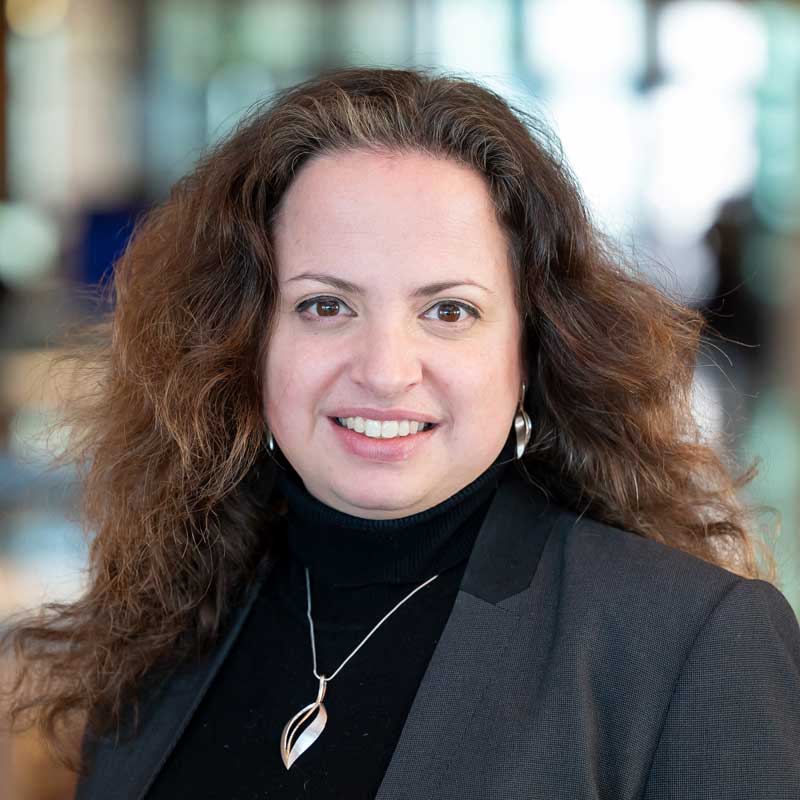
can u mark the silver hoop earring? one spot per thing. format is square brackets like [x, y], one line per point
[522, 426]
[270, 441]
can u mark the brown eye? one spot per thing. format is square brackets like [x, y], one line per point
[316, 308]
[327, 308]
[452, 312]
[449, 312]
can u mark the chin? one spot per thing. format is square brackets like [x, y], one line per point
[380, 502]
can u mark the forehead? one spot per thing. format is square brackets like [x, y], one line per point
[396, 214]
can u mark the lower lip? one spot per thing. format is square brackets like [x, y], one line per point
[398, 449]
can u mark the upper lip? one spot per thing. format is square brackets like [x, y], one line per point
[383, 414]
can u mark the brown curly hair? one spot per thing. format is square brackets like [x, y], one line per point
[167, 431]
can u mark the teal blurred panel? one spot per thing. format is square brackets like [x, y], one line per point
[283, 36]
[184, 47]
[231, 91]
[473, 36]
[370, 33]
[777, 192]
[773, 436]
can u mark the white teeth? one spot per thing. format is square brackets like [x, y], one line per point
[389, 429]
[386, 429]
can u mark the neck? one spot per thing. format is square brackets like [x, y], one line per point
[342, 550]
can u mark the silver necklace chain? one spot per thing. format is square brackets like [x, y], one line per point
[364, 640]
[294, 745]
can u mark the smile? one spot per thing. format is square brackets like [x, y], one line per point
[383, 429]
[389, 447]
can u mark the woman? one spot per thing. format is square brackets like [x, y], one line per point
[378, 408]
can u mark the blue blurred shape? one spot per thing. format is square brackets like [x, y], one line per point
[106, 234]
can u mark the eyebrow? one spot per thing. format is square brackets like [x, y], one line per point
[427, 290]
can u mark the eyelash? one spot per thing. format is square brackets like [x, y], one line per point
[471, 310]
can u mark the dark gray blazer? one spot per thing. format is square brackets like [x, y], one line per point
[579, 661]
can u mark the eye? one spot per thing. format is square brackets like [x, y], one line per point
[327, 307]
[451, 311]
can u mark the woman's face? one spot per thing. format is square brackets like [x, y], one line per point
[396, 306]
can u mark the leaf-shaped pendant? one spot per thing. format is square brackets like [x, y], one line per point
[290, 750]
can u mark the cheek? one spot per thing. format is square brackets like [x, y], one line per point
[500, 385]
[496, 371]
[297, 371]
[492, 398]
[278, 373]
[288, 404]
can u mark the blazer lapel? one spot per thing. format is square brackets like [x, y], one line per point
[482, 623]
[485, 616]
[128, 767]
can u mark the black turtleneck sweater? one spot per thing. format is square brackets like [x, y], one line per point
[359, 570]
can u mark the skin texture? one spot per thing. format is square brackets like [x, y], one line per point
[391, 223]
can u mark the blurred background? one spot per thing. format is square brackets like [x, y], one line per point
[681, 121]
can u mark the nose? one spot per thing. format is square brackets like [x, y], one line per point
[387, 360]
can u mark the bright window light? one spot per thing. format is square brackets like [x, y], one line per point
[473, 35]
[601, 136]
[573, 41]
[712, 42]
[703, 150]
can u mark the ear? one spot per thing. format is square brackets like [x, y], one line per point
[525, 377]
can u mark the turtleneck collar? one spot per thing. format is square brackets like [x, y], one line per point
[342, 550]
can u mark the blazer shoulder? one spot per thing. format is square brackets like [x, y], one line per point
[630, 558]
[609, 571]
[733, 722]
[640, 606]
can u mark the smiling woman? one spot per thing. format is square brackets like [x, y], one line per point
[453, 360]
[371, 351]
